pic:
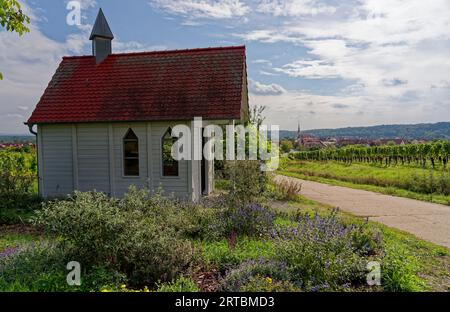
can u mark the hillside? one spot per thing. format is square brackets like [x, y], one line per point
[16, 138]
[439, 130]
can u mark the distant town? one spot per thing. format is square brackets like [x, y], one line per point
[323, 138]
[309, 141]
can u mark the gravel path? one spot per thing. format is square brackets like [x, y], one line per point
[425, 220]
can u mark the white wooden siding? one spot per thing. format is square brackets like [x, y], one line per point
[89, 157]
[179, 186]
[93, 157]
[121, 182]
[57, 165]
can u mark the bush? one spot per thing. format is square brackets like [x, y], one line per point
[182, 284]
[248, 182]
[42, 268]
[16, 176]
[18, 180]
[320, 253]
[242, 277]
[287, 189]
[367, 240]
[251, 220]
[133, 235]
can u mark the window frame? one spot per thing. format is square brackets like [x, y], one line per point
[125, 158]
[168, 132]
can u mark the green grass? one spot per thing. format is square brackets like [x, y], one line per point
[12, 240]
[398, 181]
[218, 253]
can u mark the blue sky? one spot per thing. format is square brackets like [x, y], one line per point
[325, 64]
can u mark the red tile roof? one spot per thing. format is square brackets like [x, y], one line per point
[165, 85]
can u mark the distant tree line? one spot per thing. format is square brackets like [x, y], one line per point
[435, 153]
[440, 130]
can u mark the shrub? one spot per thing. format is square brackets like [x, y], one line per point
[251, 220]
[241, 278]
[287, 189]
[367, 240]
[248, 182]
[320, 253]
[181, 284]
[186, 218]
[16, 175]
[42, 267]
[154, 253]
[18, 179]
[133, 235]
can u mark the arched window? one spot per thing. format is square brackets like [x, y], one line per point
[131, 154]
[169, 165]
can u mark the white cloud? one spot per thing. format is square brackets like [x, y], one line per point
[203, 8]
[134, 46]
[314, 69]
[28, 63]
[85, 4]
[267, 73]
[392, 53]
[262, 61]
[294, 7]
[259, 88]
[333, 111]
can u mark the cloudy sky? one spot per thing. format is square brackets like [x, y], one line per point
[324, 63]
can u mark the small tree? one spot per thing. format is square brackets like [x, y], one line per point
[12, 17]
[286, 146]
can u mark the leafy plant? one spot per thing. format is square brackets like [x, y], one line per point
[12, 17]
[251, 220]
[399, 270]
[248, 182]
[260, 283]
[42, 267]
[319, 252]
[181, 284]
[287, 189]
[241, 277]
[129, 234]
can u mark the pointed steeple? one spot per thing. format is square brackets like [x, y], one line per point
[101, 37]
[101, 27]
[299, 135]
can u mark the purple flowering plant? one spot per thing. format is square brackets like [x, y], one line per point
[320, 252]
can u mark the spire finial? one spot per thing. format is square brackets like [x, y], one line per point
[101, 37]
[101, 28]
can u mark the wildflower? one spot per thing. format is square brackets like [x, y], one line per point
[269, 280]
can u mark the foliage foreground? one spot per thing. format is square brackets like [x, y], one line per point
[148, 242]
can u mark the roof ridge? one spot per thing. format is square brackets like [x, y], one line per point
[164, 51]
